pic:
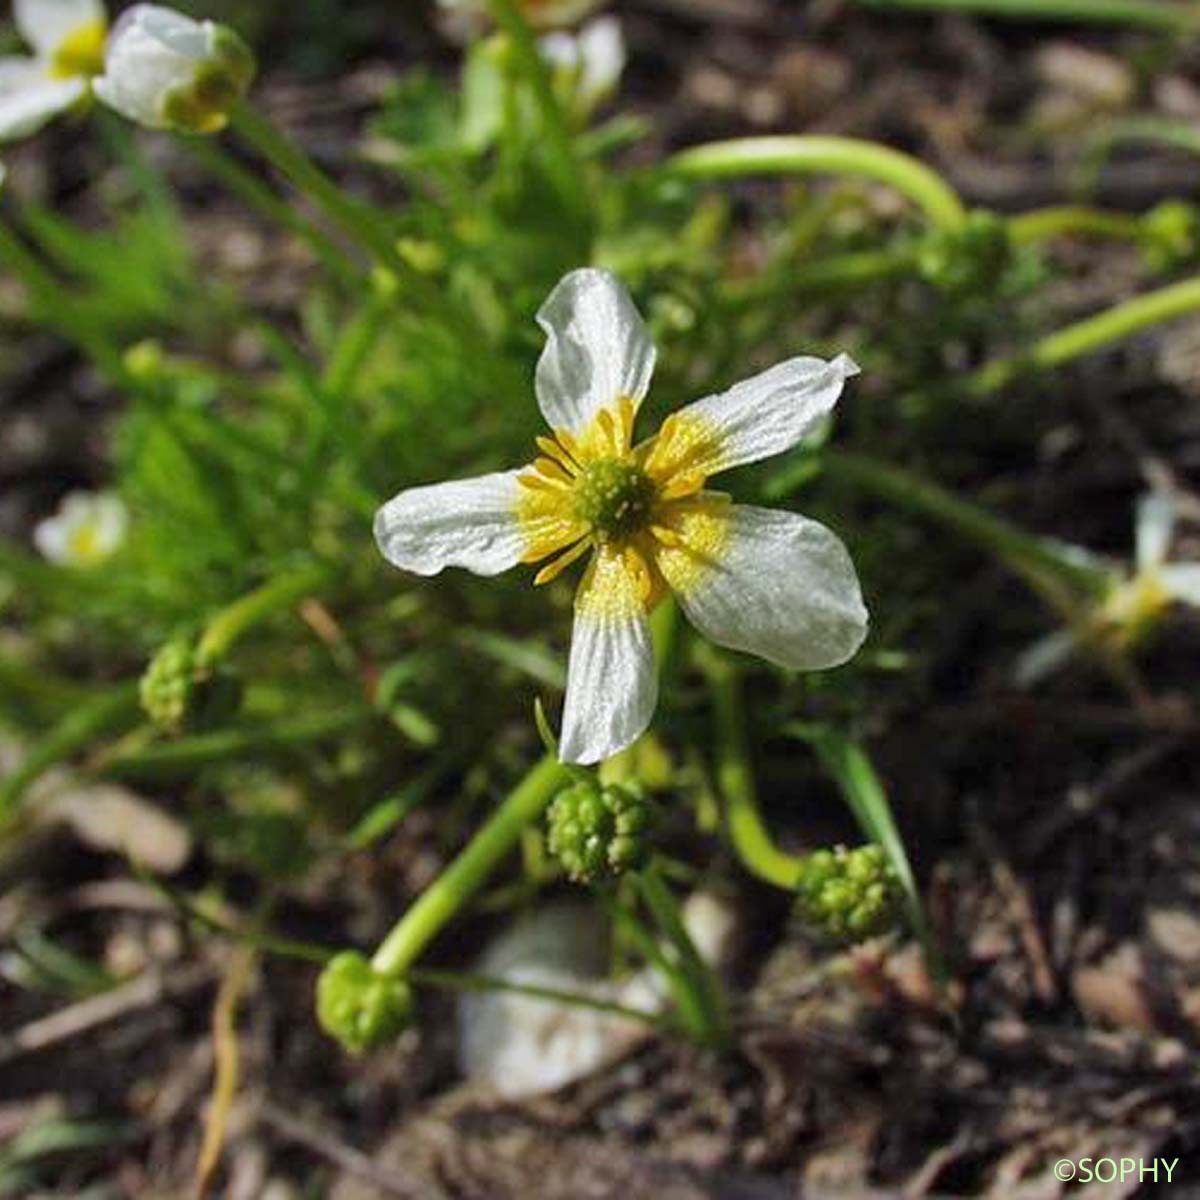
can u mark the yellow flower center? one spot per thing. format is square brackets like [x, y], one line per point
[80, 53]
[85, 546]
[1133, 608]
[615, 497]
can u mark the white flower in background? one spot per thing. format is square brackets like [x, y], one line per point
[590, 62]
[67, 38]
[541, 14]
[166, 71]
[772, 583]
[1134, 604]
[87, 529]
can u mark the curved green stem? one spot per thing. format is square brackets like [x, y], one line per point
[735, 779]
[1112, 325]
[1047, 566]
[229, 625]
[820, 154]
[1167, 16]
[1067, 219]
[452, 889]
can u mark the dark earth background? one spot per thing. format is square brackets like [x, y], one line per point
[1058, 837]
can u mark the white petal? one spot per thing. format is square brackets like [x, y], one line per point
[597, 350]
[1043, 658]
[602, 55]
[754, 419]
[28, 99]
[768, 582]
[46, 24]
[1153, 528]
[468, 523]
[1182, 580]
[52, 538]
[611, 683]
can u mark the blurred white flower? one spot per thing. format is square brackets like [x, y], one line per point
[469, 15]
[590, 62]
[166, 71]
[1135, 602]
[761, 580]
[87, 529]
[67, 38]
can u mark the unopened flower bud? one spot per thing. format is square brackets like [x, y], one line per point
[166, 71]
[598, 832]
[359, 1007]
[849, 895]
[1171, 235]
[177, 692]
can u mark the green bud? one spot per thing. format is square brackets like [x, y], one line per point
[177, 693]
[599, 832]
[359, 1007]
[1171, 235]
[849, 895]
[970, 258]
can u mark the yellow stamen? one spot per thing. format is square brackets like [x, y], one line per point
[551, 470]
[559, 453]
[539, 483]
[81, 53]
[553, 569]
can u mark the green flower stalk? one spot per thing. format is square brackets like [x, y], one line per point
[360, 1007]
[849, 895]
[599, 832]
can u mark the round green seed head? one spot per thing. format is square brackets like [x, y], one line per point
[599, 832]
[168, 685]
[848, 895]
[359, 1007]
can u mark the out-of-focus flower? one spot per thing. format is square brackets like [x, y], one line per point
[87, 529]
[67, 38]
[772, 583]
[166, 71]
[589, 63]
[1135, 602]
[541, 14]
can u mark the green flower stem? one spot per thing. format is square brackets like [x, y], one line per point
[452, 889]
[1068, 219]
[1047, 566]
[185, 755]
[249, 188]
[1093, 333]
[1168, 16]
[735, 778]
[112, 710]
[229, 625]
[699, 993]
[356, 220]
[836, 273]
[567, 172]
[819, 154]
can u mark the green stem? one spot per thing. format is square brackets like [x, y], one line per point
[699, 997]
[1043, 223]
[229, 625]
[1046, 565]
[183, 756]
[1162, 15]
[1112, 325]
[452, 889]
[819, 154]
[735, 779]
[258, 195]
[567, 172]
[357, 221]
[113, 709]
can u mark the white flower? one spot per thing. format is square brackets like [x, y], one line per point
[590, 61]
[166, 71]
[67, 37]
[768, 582]
[1134, 603]
[87, 529]
[541, 14]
